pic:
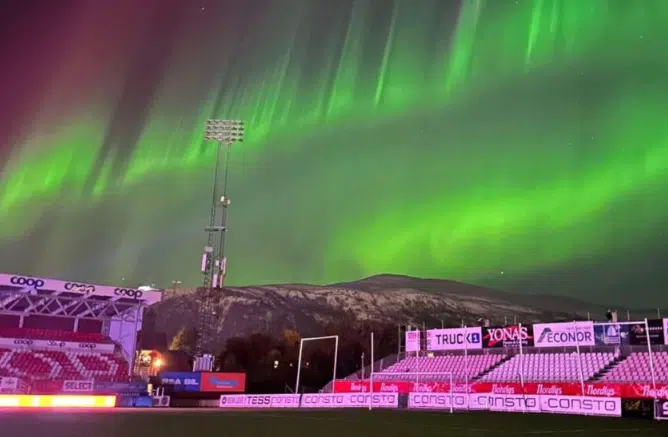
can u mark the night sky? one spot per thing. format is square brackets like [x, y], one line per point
[516, 144]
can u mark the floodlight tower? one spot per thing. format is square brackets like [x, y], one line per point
[214, 262]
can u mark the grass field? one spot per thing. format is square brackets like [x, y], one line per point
[342, 423]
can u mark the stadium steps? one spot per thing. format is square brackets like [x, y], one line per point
[499, 364]
[598, 375]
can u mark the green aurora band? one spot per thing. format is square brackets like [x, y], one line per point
[494, 143]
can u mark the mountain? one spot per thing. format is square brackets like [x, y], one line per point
[383, 298]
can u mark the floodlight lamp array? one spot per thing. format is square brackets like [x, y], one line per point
[224, 131]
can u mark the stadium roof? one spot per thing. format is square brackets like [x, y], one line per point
[32, 295]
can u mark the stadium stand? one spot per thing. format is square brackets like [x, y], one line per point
[636, 368]
[457, 365]
[551, 367]
[54, 331]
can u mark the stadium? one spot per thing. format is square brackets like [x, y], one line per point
[69, 353]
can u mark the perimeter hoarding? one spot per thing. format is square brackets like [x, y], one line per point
[571, 334]
[454, 339]
[223, 382]
[181, 381]
[665, 331]
[507, 336]
[59, 401]
[259, 401]
[518, 403]
[350, 400]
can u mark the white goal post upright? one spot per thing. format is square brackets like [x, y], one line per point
[405, 376]
[336, 357]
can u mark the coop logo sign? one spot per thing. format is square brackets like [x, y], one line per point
[58, 344]
[454, 339]
[128, 292]
[81, 288]
[87, 346]
[350, 400]
[23, 342]
[564, 334]
[259, 401]
[27, 282]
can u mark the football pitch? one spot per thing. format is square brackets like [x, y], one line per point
[342, 423]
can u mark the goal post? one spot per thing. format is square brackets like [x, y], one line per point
[301, 350]
[413, 378]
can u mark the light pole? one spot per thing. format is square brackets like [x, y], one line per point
[214, 261]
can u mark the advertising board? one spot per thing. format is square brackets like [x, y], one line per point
[259, 401]
[665, 331]
[518, 403]
[564, 334]
[77, 386]
[11, 343]
[661, 410]
[454, 339]
[438, 401]
[181, 381]
[638, 333]
[412, 341]
[611, 334]
[58, 401]
[349, 400]
[121, 388]
[507, 336]
[77, 288]
[223, 382]
[582, 405]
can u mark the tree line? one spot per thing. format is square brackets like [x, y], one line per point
[270, 361]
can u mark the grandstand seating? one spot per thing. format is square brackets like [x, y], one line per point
[69, 365]
[636, 368]
[49, 334]
[551, 367]
[457, 365]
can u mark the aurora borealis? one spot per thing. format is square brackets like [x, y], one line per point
[515, 144]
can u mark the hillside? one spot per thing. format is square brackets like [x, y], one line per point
[384, 298]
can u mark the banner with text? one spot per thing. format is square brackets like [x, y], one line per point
[665, 331]
[454, 339]
[593, 389]
[78, 386]
[181, 381]
[638, 333]
[611, 334]
[350, 400]
[564, 334]
[412, 341]
[10, 343]
[223, 382]
[507, 336]
[259, 401]
[554, 404]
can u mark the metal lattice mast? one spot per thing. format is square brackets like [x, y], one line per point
[214, 262]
